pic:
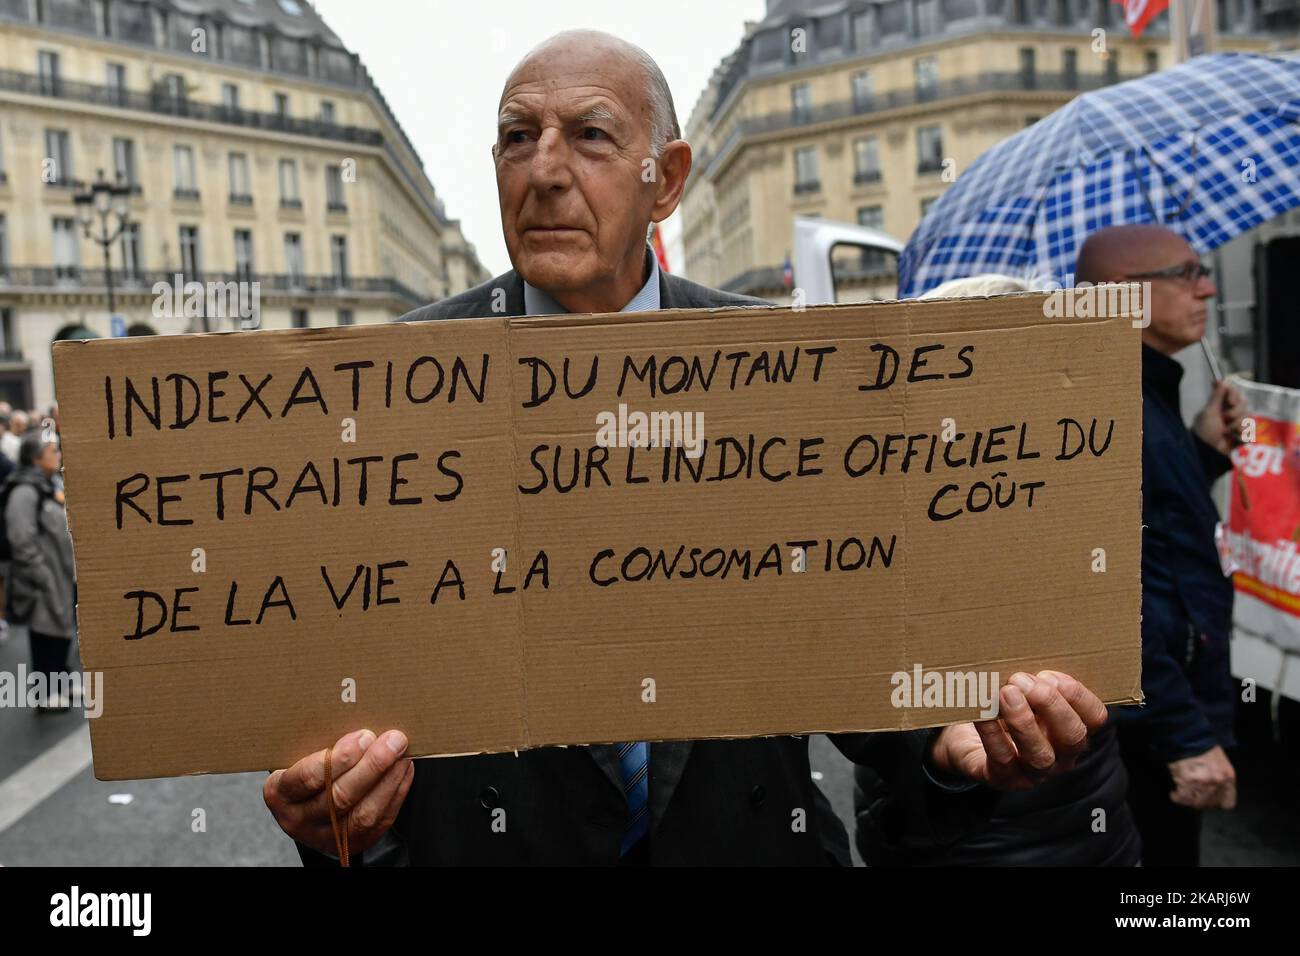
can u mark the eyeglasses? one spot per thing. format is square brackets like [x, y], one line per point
[1188, 272]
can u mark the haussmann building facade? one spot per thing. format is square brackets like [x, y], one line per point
[255, 148]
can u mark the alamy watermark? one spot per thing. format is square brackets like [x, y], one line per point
[922, 688]
[216, 300]
[1119, 300]
[636, 429]
[21, 689]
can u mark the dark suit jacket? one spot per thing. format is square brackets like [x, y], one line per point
[1186, 600]
[711, 801]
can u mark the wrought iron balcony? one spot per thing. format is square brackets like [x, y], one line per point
[1065, 83]
[91, 280]
[161, 101]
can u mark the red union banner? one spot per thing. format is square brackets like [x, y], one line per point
[1262, 539]
[1138, 13]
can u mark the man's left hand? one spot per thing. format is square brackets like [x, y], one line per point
[1218, 424]
[1042, 727]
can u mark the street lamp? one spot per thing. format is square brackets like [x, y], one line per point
[103, 200]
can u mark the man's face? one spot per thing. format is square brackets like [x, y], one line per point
[1178, 305]
[50, 460]
[569, 155]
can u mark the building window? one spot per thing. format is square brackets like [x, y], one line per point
[115, 78]
[927, 77]
[801, 102]
[289, 198]
[67, 252]
[866, 159]
[4, 247]
[1152, 61]
[339, 258]
[9, 344]
[346, 317]
[891, 17]
[862, 31]
[282, 105]
[300, 319]
[230, 97]
[864, 92]
[190, 262]
[183, 171]
[241, 192]
[929, 149]
[58, 154]
[174, 84]
[806, 179]
[132, 22]
[327, 111]
[243, 254]
[1028, 68]
[1070, 68]
[334, 189]
[131, 250]
[293, 261]
[124, 161]
[873, 217]
[47, 67]
[1112, 65]
[240, 45]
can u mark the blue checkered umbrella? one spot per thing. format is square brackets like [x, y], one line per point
[1209, 148]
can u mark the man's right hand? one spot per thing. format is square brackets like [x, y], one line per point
[1206, 781]
[371, 780]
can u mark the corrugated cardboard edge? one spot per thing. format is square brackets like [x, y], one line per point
[527, 742]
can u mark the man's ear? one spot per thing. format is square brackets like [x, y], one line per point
[674, 165]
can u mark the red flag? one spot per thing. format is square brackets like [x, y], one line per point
[657, 243]
[1138, 13]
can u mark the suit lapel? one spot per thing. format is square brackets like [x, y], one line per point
[606, 756]
[514, 286]
[667, 761]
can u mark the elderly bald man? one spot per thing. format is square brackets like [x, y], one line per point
[588, 154]
[1174, 745]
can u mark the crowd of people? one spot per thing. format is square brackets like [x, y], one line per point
[37, 578]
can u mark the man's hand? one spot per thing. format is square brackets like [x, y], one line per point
[1042, 727]
[371, 780]
[1206, 781]
[1218, 424]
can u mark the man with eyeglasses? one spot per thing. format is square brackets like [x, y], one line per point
[1174, 745]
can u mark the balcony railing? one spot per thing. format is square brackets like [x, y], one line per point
[160, 101]
[64, 278]
[990, 82]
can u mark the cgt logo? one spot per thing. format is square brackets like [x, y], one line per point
[76, 909]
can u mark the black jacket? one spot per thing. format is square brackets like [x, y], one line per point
[1079, 818]
[1186, 599]
[716, 802]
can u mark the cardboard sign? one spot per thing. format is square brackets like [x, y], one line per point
[857, 518]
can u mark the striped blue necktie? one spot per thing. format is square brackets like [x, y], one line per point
[634, 762]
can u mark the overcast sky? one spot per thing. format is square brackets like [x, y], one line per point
[441, 65]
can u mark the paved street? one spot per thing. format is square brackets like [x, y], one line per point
[54, 812]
